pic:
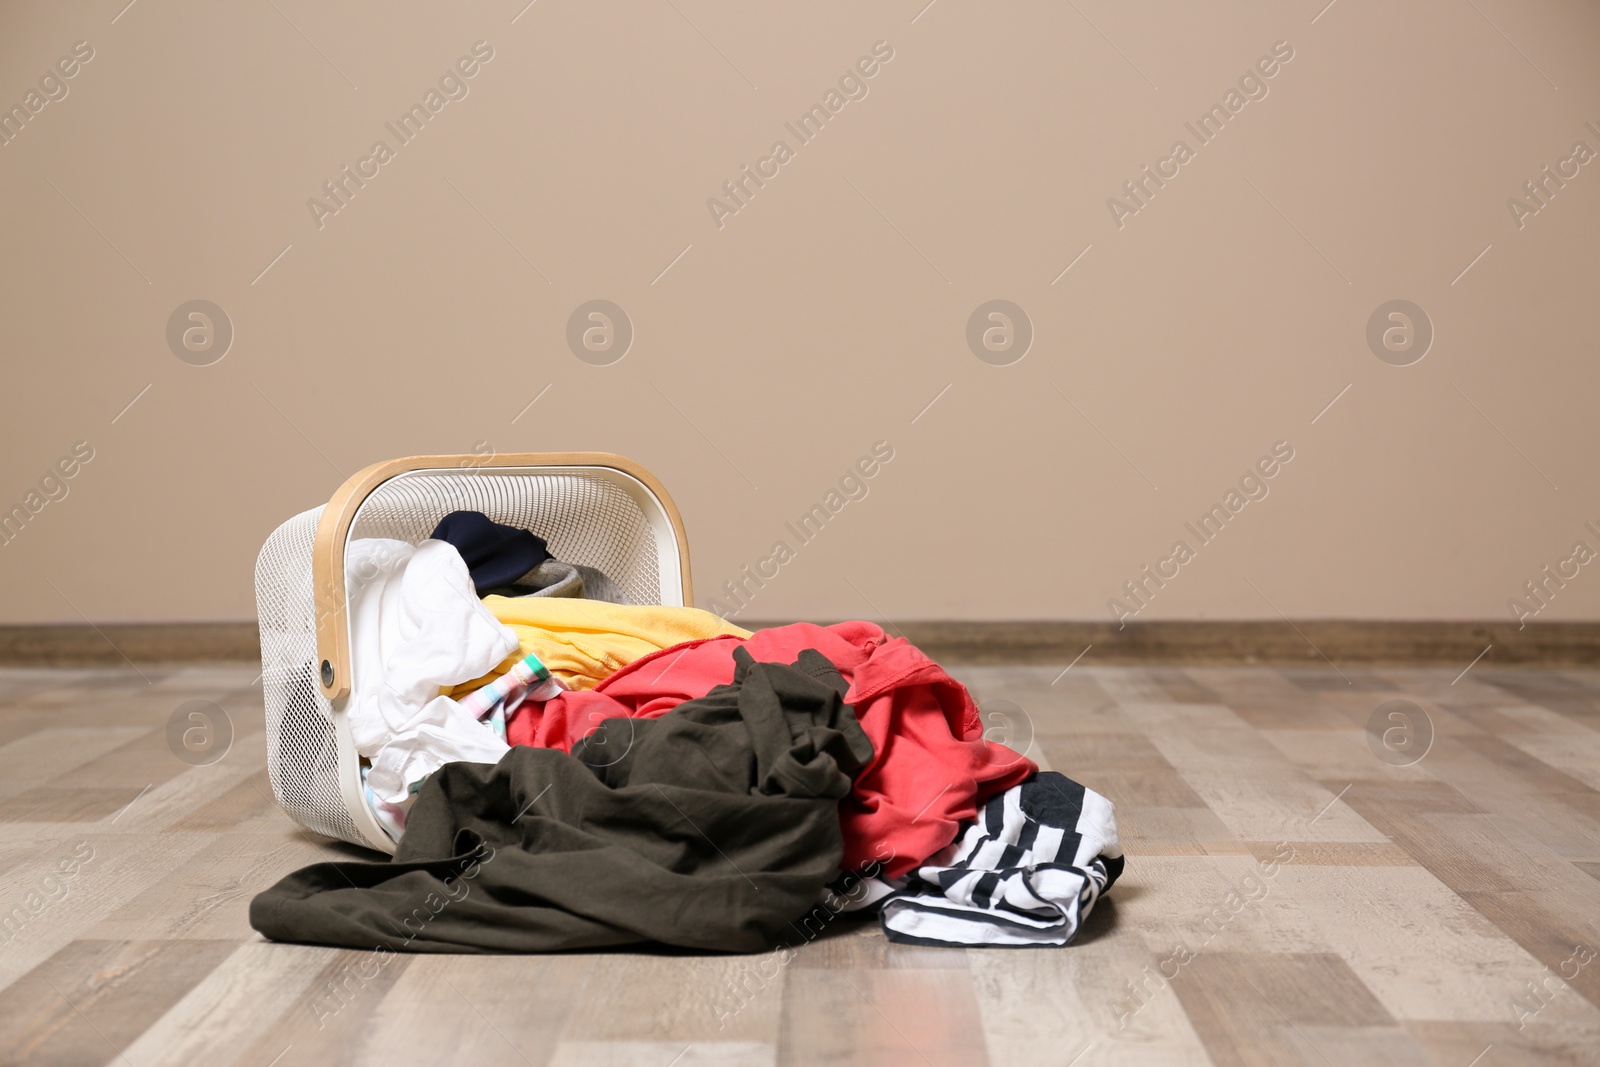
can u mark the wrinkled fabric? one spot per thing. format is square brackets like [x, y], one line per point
[1027, 871]
[582, 642]
[711, 827]
[572, 580]
[931, 766]
[416, 625]
[495, 554]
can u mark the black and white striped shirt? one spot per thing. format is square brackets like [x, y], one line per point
[1027, 871]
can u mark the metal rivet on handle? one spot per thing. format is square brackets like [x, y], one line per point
[327, 673]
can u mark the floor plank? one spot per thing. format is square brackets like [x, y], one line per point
[94, 997]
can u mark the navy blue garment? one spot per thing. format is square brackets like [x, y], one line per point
[496, 555]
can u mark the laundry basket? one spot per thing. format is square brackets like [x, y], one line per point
[590, 507]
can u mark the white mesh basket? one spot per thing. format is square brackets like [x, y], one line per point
[591, 508]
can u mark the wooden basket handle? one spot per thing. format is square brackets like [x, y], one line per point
[333, 530]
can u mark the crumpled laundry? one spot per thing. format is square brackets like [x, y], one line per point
[572, 580]
[509, 561]
[931, 766]
[1027, 871]
[416, 625]
[528, 679]
[582, 642]
[495, 554]
[711, 827]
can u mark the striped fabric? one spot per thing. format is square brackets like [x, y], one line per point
[1027, 871]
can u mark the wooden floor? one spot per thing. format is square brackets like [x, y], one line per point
[1438, 913]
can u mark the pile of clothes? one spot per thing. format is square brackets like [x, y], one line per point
[564, 770]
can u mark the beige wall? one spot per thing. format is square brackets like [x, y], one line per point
[828, 312]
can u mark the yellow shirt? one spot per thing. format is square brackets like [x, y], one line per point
[584, 641]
